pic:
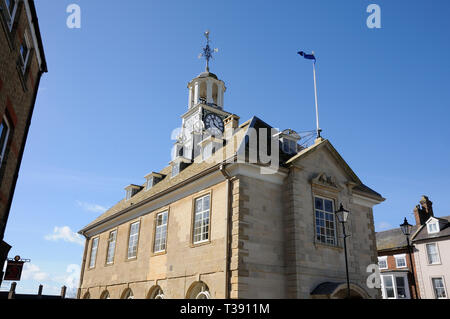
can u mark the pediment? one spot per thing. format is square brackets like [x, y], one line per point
[327, 181]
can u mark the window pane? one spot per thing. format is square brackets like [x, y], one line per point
[93, 252]
[400, 261]
[111, 247]
[325, 226]
[201, 219]
[319, 203]
[439, 289]
[133, 240]
[160, 233]
[388, 286]
[433, 257]
[401, 290]
[328, 206]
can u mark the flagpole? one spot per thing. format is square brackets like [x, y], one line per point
[315, 94]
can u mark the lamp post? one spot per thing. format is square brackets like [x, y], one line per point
[342, 215]
[406, 230]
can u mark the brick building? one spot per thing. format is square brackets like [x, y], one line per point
[432, 252]
[221, 222]
[397, 279]
[430, 247]
[22, 63]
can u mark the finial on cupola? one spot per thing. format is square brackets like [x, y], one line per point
[207, 51]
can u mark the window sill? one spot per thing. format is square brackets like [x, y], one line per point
[201, 243]
[131, 259]
[318, 244]
[159, 253]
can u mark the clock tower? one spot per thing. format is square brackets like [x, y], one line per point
[205, 115]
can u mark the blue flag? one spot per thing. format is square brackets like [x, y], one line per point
[307, 56]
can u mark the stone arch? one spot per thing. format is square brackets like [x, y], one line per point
[338, 290]
[356, 292]
[127, 294]
[156, 293]
[105, 295]
[198, 290]
[87, 295]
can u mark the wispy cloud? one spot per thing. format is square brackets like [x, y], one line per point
[383, 226]
[70, 280]
[95, 208]
[31, 271]
[66, 234]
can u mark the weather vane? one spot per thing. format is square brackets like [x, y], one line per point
[207, 51]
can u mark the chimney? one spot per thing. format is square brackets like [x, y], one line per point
[231, 124]
[423, 211]
[427, 205]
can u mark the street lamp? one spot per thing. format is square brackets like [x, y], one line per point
[406, 230]
[342, 216]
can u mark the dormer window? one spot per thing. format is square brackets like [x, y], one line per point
[178, 164]
[149, 182]
[175, 169]
[129, 194]
[131, 190]
[152, 179]
[289, 139]
[289, 146]
[210, 145]
[433, 227]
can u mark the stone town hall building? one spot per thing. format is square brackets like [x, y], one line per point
[211, 226]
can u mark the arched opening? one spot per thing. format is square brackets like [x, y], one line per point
[156, 293]
[202, 92]
[198, 290]
[342, 294]
[338, 290]
[215, 90]
[87, 295]
[127, 294]
[105, 295]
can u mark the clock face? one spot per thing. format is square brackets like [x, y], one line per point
[214, 124]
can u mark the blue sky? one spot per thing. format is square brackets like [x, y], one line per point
[116, 89]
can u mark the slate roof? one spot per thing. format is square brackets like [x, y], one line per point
[422, 234]
[167, 183]
[392, 238]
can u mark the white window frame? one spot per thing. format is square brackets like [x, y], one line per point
[111, 248]
[93, 254]
[133, 241]
[436, 225]
[25, 42]
[149, 183]
[129, 194]
[394, 286]
[443, 287]
[382, 258]
[437, 254]
[200, 218]
[160, 238]
[11, 15]
[400, 257]
[335, 242]
[175, 169]
[5, 142]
